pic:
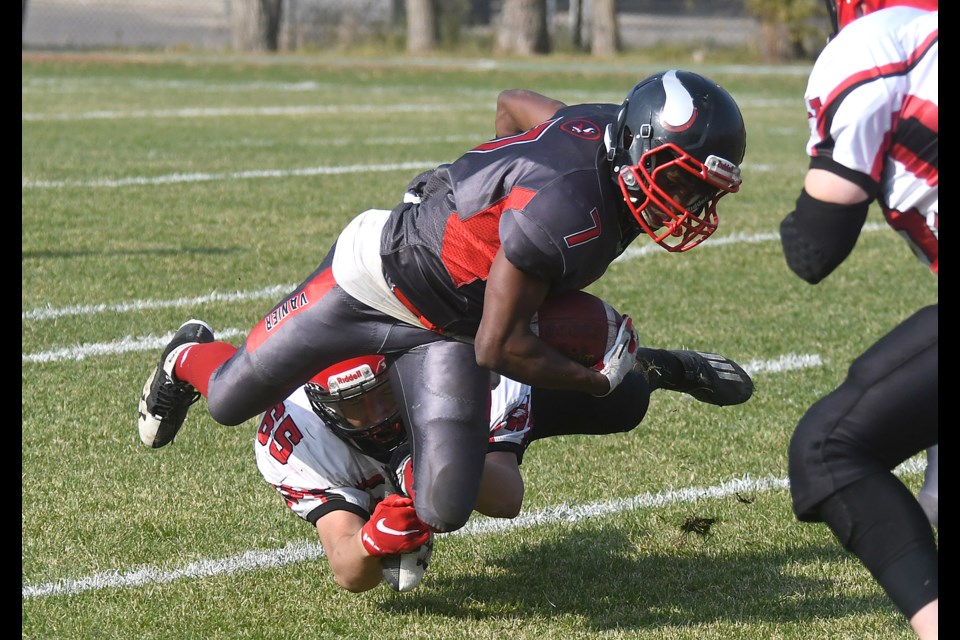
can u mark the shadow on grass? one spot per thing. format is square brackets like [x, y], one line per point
[599, 577]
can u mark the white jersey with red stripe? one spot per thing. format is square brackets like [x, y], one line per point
[316, 472]
[872, 103]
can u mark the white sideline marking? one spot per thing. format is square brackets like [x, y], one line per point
[482, 64]
[304, 551]
[206, 112]
[175, 178]
[46, 313]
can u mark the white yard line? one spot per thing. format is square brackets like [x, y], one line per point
[207, 112]
[276, 291]
[301, 551]
[49, 313]
[311, 109]
[176, 178]
[304, 551]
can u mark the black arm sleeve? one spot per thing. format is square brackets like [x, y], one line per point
[335, 504]
[817, 236]
[862, 180]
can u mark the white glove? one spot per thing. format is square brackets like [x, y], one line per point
[618, 361]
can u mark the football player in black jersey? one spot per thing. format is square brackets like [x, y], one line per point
[445, 284]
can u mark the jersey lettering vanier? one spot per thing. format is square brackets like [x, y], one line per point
[552, 207]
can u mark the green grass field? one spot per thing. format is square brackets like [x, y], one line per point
[155, 189]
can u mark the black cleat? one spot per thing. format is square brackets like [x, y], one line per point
[712, 378]
[165, 400]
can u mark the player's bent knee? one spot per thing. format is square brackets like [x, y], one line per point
[446, 505]
[224, 413]
[445, 515]
[440, 522]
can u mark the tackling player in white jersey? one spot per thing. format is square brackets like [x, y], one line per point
[872, 102]
[337, 451]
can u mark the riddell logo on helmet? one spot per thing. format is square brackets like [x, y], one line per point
[722, 172]
[723, 165]
[347, 378]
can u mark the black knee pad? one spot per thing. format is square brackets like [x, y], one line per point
[811, 477]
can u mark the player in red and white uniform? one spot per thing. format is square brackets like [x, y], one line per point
[337, 450]
[872, 101]
[332, 451]
[445, 284]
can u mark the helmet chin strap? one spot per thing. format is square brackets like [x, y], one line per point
[609, 143]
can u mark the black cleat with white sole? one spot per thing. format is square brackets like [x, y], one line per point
[165, 400]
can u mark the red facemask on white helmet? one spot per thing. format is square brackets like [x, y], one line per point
[352, 400]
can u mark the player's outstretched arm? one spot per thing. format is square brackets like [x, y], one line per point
[520, 109]
[354, 547]
[353, 568]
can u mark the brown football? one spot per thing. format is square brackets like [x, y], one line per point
[577, 324]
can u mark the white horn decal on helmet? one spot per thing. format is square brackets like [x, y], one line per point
[678, 112]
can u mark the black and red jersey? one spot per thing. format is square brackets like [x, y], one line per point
[545, 195]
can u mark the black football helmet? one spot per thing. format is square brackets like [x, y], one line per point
[353, 402]
[675, 150]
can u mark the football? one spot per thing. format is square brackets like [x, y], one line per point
[577, 324]
[404, 572]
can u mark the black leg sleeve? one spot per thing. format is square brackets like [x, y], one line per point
[444, 398]
[878, 520]
[559, 413]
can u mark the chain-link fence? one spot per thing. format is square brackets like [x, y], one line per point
[323, 24]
